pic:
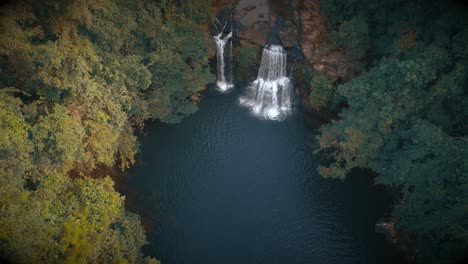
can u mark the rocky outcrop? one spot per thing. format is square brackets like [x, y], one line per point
[255, 20]
[302, 25]
[289, 34]
[387, 227]
[317, 45]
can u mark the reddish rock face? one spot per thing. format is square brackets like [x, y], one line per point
[256, 33]
[256, 20]
[317, 45]
[289, 36]
[319, 67]
[304, 25]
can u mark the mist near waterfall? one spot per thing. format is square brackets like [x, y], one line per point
[224, 61]
[270, 95]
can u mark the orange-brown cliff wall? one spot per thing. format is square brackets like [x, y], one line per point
[317, 44]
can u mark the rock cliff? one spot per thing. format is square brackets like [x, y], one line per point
[317, 45]
[302, 25]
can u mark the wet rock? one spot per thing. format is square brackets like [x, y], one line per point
[289, 36]
[256, 20]
[301, 24]
[211, 53]
[332, 73]
[318, 67]
[342, 71]
[256, 33]
[250, 8]
[219, 4]
[386, 226]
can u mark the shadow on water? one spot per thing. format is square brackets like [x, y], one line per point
[225, 187]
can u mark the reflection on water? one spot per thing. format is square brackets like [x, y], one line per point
[226, 187]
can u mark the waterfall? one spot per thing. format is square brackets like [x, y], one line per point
[224, 73]
[270, 95]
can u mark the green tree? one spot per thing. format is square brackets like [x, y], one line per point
[86, 75]
[322, 92]
[405, 117]
[57, 138]
[353, 36]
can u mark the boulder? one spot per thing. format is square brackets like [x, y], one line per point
[386, 226]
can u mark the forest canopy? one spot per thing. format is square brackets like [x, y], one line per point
[406, 114]
[76, 79]
[79, 78]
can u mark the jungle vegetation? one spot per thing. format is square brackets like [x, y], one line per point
[77, 78]
[406, 114]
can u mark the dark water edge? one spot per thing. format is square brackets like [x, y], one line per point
[225, 187]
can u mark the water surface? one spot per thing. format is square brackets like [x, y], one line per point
[226, 187]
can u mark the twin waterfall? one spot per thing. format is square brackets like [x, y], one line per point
[270, 95]
[224, 69]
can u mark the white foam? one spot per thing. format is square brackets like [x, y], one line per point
[224, 82]
[224, 86]
[270, 96]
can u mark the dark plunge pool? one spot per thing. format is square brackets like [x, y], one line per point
[226, 187]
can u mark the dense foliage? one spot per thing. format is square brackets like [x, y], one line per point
[406, 114]
[76, 79]
[322, 94]
[247, 58]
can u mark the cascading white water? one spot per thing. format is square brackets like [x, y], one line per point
[270, 95]
[224, 74]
